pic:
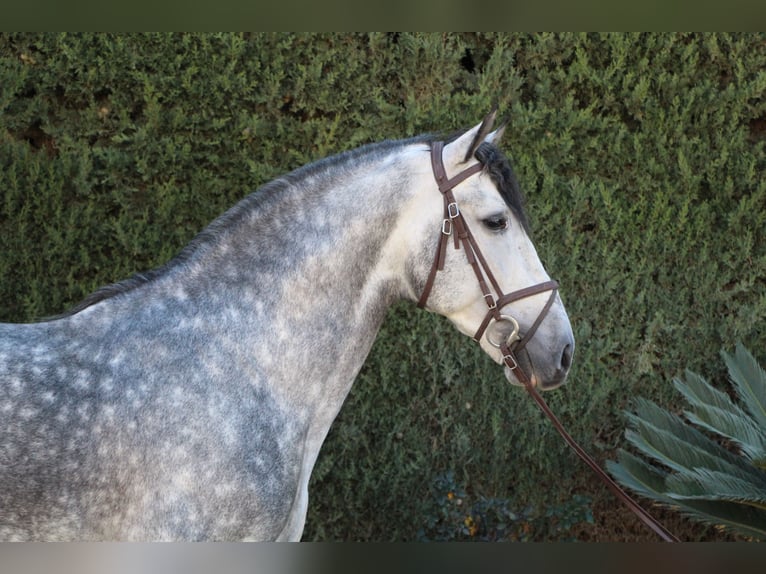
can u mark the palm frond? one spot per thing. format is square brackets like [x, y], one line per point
[736, 517]
[649, 481]
[705, 484]
[668, 439]
[640, 476]
[742, 431]
[703, 478]
[750, 382]
[716, 412]
[698, 391]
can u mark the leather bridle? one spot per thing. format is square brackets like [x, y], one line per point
[454, 225]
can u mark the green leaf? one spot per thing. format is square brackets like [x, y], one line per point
[705, 484]
[742, 519]
[706, 481]
[699, 392]
[670, 440]
[637, 474]
[750, 381]
[742, 431]
[716, 412]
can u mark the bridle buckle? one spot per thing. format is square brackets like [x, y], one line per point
[510, 361]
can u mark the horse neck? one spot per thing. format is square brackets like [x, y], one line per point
[302, 278]
[311, 252]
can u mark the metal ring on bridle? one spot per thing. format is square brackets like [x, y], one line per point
[513, 336]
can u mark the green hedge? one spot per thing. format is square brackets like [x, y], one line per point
[642, 157]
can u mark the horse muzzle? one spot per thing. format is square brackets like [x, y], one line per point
[546, 371]
[544, 367]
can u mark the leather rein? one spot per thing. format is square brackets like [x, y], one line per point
[455, 226]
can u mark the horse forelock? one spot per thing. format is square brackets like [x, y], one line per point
[499, 169]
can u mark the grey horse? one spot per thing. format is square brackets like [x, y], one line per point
[190, 402]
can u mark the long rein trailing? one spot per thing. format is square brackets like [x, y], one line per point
[638, 510]
[455, 226]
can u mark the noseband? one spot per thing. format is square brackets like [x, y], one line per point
[455, 225]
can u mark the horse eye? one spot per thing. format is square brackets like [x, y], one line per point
[496, 223]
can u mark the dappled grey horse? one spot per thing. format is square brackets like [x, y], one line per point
[190, 402]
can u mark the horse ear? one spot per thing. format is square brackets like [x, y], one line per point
[497, 135]
[462, 149]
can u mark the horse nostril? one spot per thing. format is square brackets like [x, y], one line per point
[566, 358]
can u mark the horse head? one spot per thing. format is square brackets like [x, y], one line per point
[487, 277]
